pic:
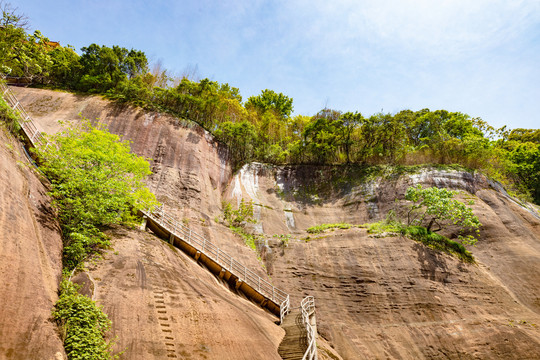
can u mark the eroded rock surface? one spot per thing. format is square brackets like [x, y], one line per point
[386, 298]
[30, 260]
[164, 305]
[390, 297]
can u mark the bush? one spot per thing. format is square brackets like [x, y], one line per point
[392, 227]
[95, 182]
[83, 323]
[239, 217]
[8, 117]
[236, 220]
[437, 242]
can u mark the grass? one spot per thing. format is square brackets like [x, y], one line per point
[249, 239]
[394, 228]
[321, 228]
[421, 234]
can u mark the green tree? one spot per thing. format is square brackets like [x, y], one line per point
[436, 206]
[460, 126]
[269, 100]
[241, 139]
[96, 182]
[351, 121]
[103, 68]
[65, 68]
[21, 54]
[525, 165]
[323, 136]
[525, 135]
[12, 35]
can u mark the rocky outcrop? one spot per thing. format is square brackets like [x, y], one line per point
[30, 260]
[376, 297]
[392, 297]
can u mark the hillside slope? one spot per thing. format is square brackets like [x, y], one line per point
[30, 260]
[376, 297]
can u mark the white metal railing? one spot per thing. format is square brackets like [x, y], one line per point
[221, 257]
[308, 318]
[200, 243]
[284, 309]
[25, 121]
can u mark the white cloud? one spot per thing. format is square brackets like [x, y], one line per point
[444, 27]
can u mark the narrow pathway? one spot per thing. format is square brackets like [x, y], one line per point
[293, 346]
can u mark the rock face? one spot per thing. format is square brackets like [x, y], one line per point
[30, 260]
[392, 297]
[190, 169]
[164, 305]
[385, 298]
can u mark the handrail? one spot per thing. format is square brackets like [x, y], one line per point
[308, 315]
[158, 215]
[284, 309]
[221, 257]
[26, 122]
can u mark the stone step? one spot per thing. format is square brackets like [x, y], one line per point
[293, 345]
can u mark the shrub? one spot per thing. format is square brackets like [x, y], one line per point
[83, 323]
[437, 242]
[239, 217]
[95, 182]
[8, 117]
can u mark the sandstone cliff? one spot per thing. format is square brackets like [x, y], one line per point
[391, 297]
[376, 297]
[30, 260]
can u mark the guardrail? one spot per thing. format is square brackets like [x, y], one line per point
[27, 124]
[284, 309]
[221, 257]
[308, 318]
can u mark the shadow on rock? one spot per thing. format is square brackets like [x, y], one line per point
[433, 265]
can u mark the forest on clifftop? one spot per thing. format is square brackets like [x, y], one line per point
[264, 127]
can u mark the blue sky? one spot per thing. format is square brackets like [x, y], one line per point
[479, 57]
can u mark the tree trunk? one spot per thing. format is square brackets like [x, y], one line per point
[430, 224]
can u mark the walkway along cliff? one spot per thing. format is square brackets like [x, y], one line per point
[216, 260]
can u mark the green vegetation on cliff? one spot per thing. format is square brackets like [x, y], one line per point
[95, 182]
[83, 325]
[237, 219]
[429, 211]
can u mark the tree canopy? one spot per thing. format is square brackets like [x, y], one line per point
[437, 207]
[96, 182]
[264, 128]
